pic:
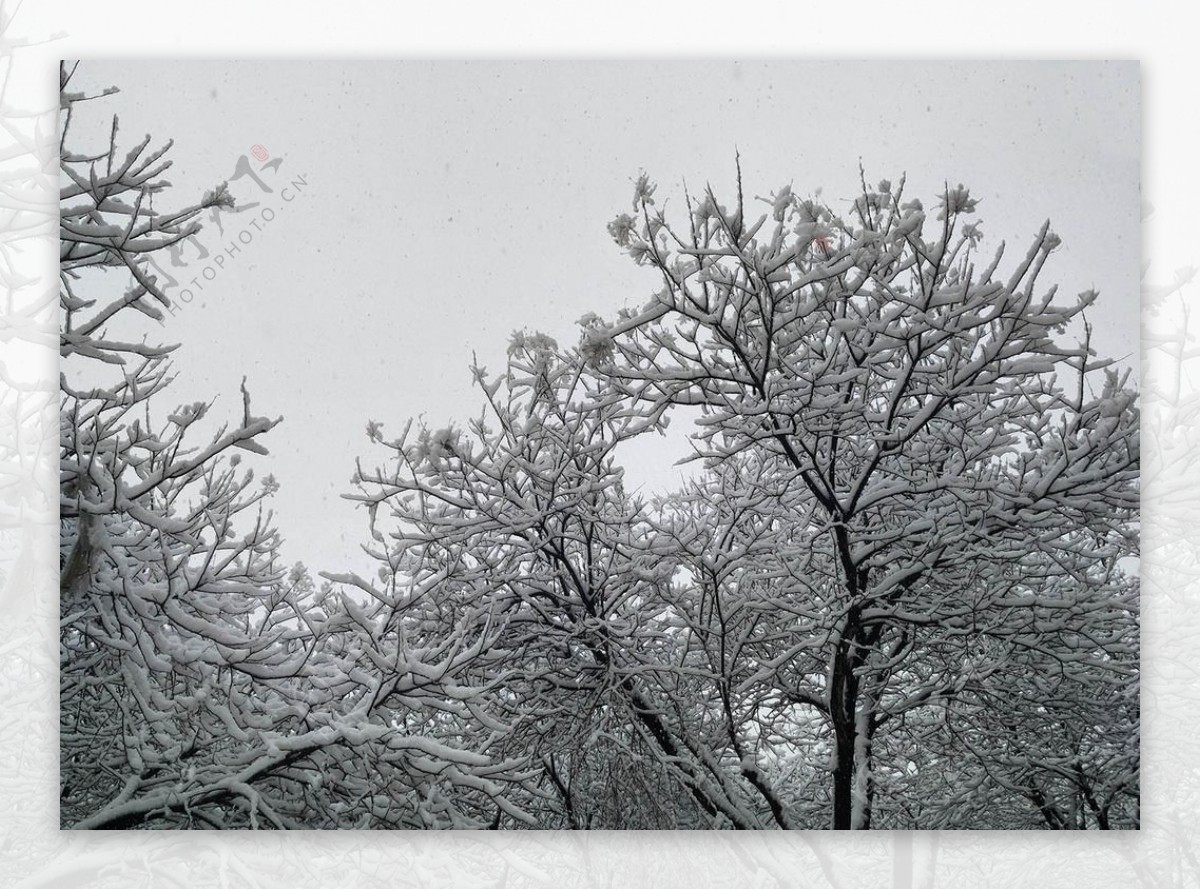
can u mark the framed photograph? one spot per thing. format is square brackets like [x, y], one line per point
[599, 445]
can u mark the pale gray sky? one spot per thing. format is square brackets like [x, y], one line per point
[449, 203]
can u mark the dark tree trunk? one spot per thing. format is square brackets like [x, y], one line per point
[843, 701]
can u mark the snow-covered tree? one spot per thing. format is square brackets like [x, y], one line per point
[934, 435]
[203, 683]
[154, 580]
[901, 589]
[521, 520]
[605, 664]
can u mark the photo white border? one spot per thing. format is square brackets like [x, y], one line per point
[33, 852]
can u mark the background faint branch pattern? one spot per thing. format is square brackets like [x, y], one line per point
[28, 434]
[1163, 853]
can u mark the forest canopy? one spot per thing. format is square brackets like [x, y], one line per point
[900, 591]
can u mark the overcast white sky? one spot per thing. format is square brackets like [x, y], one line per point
[449, 203]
